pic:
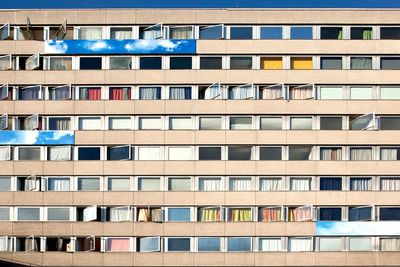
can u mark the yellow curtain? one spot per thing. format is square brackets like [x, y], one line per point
[210, 215]
[301, 63]
[143, 215]
[272, 63]
[240, 215]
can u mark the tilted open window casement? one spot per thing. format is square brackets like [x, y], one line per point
[4, 243]
[211, 214]
[149, 244]
[155, 31]
[62, 92]
[300, 214]
[245, 91]
[4, 121]
[31, 243]
[5, 32]
[6, 62]
[31, 183]
[4, 91]
[363, 122]
[33, 62]
[32, 122]
[120, 214]
[120, 152]
[214, 91]
[213, 32]
[30, 92]
[275, 91]
[90, 213]
[89, 243]
[27, 33]
[306, 91]
[62, 31]
[361, 213]
[5, 153]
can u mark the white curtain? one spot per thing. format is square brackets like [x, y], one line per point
[179, 93]
[213, 92]
[180, 32]
[242, 92]
[60, 153]
[5, 62]
[240, 184]
[150, 93]
[90, 33]
[390, 184]
[331, 153]
[180, 153]
[300, 244]
[209, 184]
[270, 184]
[272, 92]
[388, 153]
[121, 34]
[58, 184]
[5, 153]
[154, 32]
[300, 184]
[31, 184]
[360, 154]
[390, 244]
[3, 243]
[89, 123]
[151, 123]
[240, 123]
[360, 184]
[149, 153]
[183, 123]
[119, 214]
[60, 63]
[301, 93]
[270, 244]
[179, 184]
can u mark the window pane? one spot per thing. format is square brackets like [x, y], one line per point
[4, 214]
[149, 244]
[392, 33]
[239, 153]
[181, 32]
[334, 183]
[361, 33]
[90, 123]
[210, 123]
[58, 214]
[88, 184]
[240, 184]
[270, 153]
[331, 33]
[149, 93]
[179, 63]
[28, 214]
[390, 92]
[119, 153]
[120, 63]
[331, 63]
[180, 123]
[179, 184]
[241, 63]
[58, 184]
[209, 184]
[299, 153]
[361, 63]
[271, 63]
[29, 153]
[271, 33]
[330, 244]
[212, 32]
[389, 123]
[150, 123]
[149, 153]
[271, 184]
[301, 123]
[240, 123]
[330, 214]
[360, 213]
[301, 33]
[209, 244]
[150, 63]
[120, 33]
[238, 33]
[389, 244]
[90, 63]
[361, 92]
[389, 214]
[180, 93]
[209, 153]
[178, 244]
[301, 63]
[330, 123]
[180, 153]
[5, 184]
[179, 214]
[119, 123]
[360, 243]
[59, 153]
[270, 244]
[360, 153]
[210, 62]
[89, 153]
[119, 184]
[60, 63]
[239, 244]
[149, 184]
[360, 184]
[390, 184]
[390, 63]
[331, 93]
[273, 123]
[59, 123]
[90, 33]
[300, 184]
[300, 244]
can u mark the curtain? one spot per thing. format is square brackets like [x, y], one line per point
[213, 92]
[5, 153]
[387, 184]
[180, 93]
[121, 34]
[151, 33]
[300, 214]
[300, 244]
[143, 215]
[272, 214]
[180, 32]
[331, 154]
[388, 153]
[300, 184]
[360, 214]
[390, 244]
[149, 93]
[360, 184]
[239, 215]
[118, 244]
[86, 93]
[60, 123]
[272, 92]
[330, 184]
[29, 93]
[58, 184]
[360, 154]
[60, 93]
[31, 244]
[150, 215]
[90, 33]
[270, 244]
[149, 153]
[60, 153]
[5, 63]
[209, 184]
[210, 214]
[361, 63]
[367, 34]
[119, 214]
[60, 63]
[300, 93]
[157, 215]
[273, 184]
[241, 92]
[240, 184]
[123, 93]
[30, 184]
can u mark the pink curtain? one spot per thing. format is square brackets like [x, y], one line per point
[94, 93]
[120, 93]
[118, 244]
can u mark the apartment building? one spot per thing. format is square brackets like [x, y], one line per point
[200, 137]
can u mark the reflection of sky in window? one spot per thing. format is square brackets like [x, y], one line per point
[271, 33]
[37, 137]
[357, 228]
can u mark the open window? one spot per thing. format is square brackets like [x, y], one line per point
[62, 31]
[363, 122]
[4, 91]
[31, 243]
[31, 183]
[90, 243]
[31, 33]
[33, 62]
[62, 92]
[305, 91]
[56, 243]
[275, 91]
[5, 153]
[4, 243]
[152, 32]
[119, 153]
[212, 32]
[4, 121]
[5, 32]
[362, 213]
[150, 214]
[30, 93]
[148, 244]
[210, 214]
[214, 91]
[245, 91]
[6, 62]
[120, 214]
[32, 122]
[300, 214]
[90, 213]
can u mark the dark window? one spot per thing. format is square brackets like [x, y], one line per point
[271, 33]
[241, 63]
[330, 123]
[361, 33]
[389, 214]
[241, 33]
[361, 63]
[391, 33]
[390, 63]
[212, 32]
[331, 33]
[118, 153]
[90, 63]
[331, 63]
[178, 244]
[120, 63]
[389, 123]
[239, 153]
[331, 183]
[209, 153]
[179, 63]
[299, 153]
[270, 153]
[210, 63]
[360, 213]
[330, 214]
[150, 63]
[301, 33]
[89, 153]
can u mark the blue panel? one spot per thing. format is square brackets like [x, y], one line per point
[126, 47]
[358, 228]
[37, 137]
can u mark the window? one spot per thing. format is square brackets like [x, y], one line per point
[89, 123]
[331, 63]
[271, 33]
[301, 63]
[208, 244]
[6, 62]
[63, 32]
[360, 213]
[119, 214]
[297, 32]
[360, 153]
[152, 32]
[181, 32]
[361, 92]
[390, 92]
[241, 33]
[239, 215]
[271, 123]
[210, 214]
[239, 244]
[270, 153]
[391, 153]
[120, 33]
[210, 63]
[90, 63]
[120, 93]
[300, 184]
[148, 184]
[389, 244]
[363, 122]
[180, 93]
[390, 33]
[239, 153]
[119, 153]
[150, 214]
[331, 153]
[240, 63]
[90, 33]
[361, 63]
[331, 33]
[4, 216]
[5, 93]
[390, 184]
[271, 184]
[300, 153]
[330, 214]
[149, 123]
[29, 153]
[270, 244]
[180, 123]
[149, 153]
[242, 92]
[214, 91]
[240, 123]
[330, 183]
[361, 33]
[30, 183]
[28, 214]
[58, 214]
[180, 63]
[59, 153]
[5, 32]
[150, 63]
[5, 184]
[301, 123]
[301, 92]
[60, 63]
[270, 214]
[331, 92]
[33, 62]
[298, 244]
[149, 244]
[88, 153]
[119, 123]
[389, 214]
[330, 244]
[330, 123]
[209, 184]
[117, 244]
[88, 184]
[209, 153]
[271, 63]
[5, 153]
[30, 93]
[60, 92]
[58, 184]
[390, 63]
[212, 32]
[179, 214]
[389, 123]
[240, 184]
[360, 243]
[119, 184]
[179, 184]
[89, 93]
[210, 123]
[149, 93]
[178, 244]
[120, 63]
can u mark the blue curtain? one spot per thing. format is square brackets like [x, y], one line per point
[330, 214]
[330, 184]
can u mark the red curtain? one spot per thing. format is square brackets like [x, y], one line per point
[120, 93]
[94, 93]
